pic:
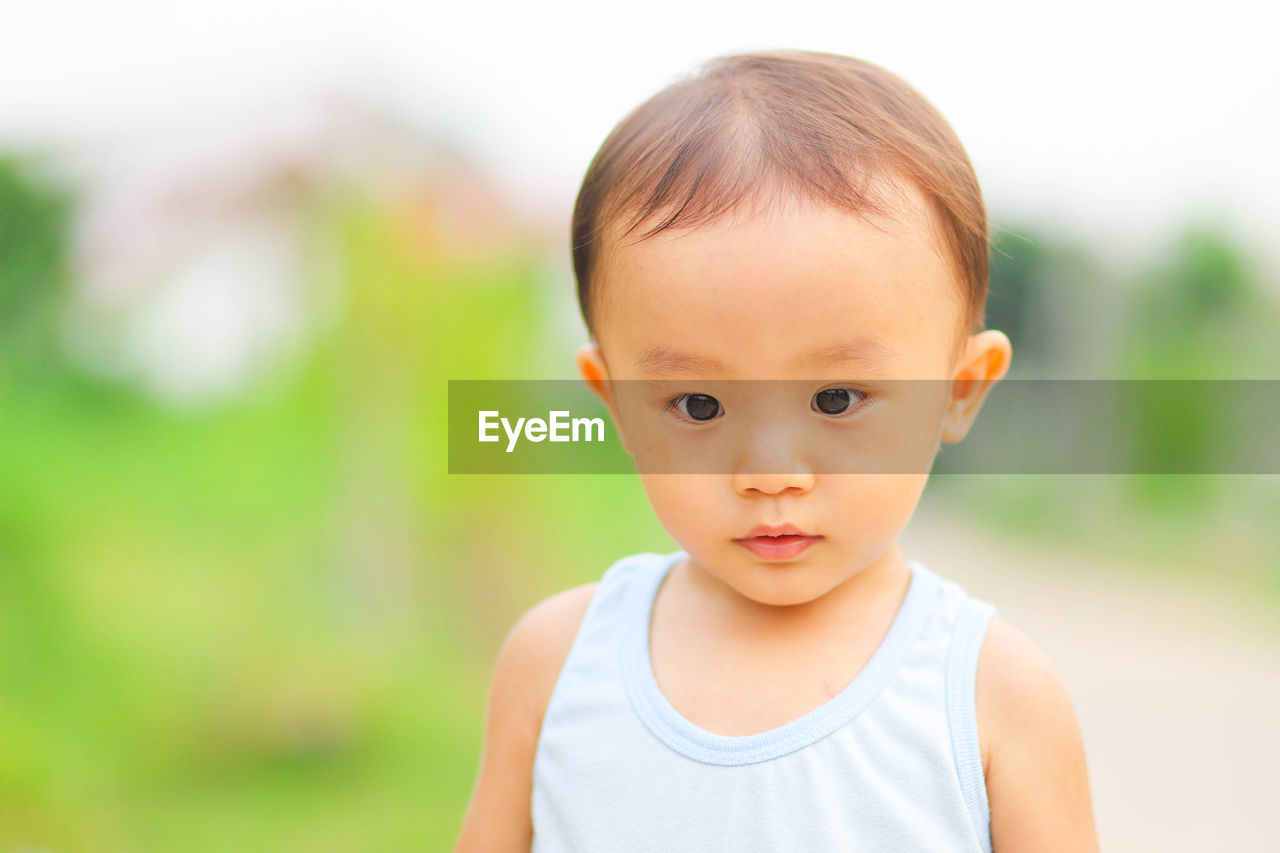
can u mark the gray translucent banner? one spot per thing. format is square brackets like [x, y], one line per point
[874, 426]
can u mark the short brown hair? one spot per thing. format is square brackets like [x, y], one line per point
[819, 125]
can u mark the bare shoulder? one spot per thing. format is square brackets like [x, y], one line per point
[538, 644]
[529, 662]
[1032, 749]
[1014, 676]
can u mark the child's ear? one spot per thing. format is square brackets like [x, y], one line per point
[595, 373]
[983, 363]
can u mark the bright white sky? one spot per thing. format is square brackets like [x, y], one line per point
[1112, 119]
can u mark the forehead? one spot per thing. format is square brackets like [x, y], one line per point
[780, 291]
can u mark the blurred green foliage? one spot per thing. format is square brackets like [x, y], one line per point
[1199, 314]
[1197, 310]
[34, 239]
[269, 625]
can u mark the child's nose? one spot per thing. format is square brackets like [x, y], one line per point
[771, 458]
[801, 481]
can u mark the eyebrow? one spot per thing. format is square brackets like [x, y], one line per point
[659, 359]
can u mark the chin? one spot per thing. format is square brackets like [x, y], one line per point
[780, 593]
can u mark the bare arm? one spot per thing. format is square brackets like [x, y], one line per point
[498, 818]
[1033, 755]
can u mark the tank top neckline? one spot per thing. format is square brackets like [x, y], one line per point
[693, 741]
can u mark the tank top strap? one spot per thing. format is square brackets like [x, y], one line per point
[589, 673]
[617, 586]
[968, 632]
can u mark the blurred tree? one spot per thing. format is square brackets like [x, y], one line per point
[1200, 315]
[1019, 266]
[34, 241]
[1055, 301]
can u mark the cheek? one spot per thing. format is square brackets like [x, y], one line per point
[684, 503]
[875, 503]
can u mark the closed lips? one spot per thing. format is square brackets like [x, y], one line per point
[764, 531]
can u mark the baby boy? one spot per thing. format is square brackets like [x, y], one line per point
[789, 679]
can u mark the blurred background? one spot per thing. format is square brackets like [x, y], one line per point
[242, 603]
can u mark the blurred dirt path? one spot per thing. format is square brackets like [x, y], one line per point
[1176, 685]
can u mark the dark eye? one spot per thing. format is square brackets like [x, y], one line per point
[698, 407]
[835, 401]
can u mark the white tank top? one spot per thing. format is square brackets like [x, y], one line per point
[891, 763]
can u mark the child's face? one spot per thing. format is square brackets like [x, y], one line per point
[759, 295]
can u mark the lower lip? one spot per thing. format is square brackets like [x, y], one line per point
[777, 547]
